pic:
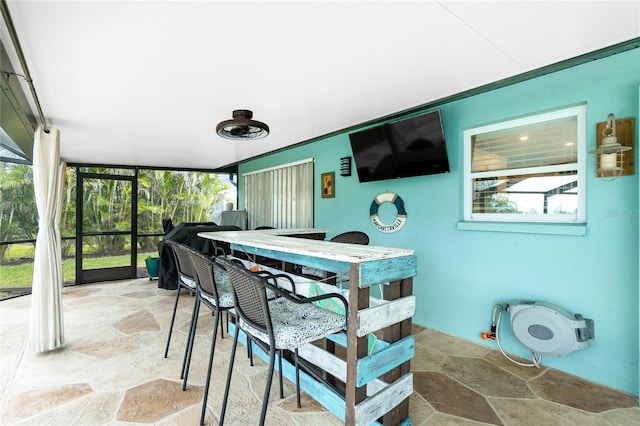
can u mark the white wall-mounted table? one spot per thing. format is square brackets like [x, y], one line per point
[379, 384]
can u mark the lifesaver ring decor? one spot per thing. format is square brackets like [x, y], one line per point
[401, 216]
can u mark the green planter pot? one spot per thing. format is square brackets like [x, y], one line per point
[153, 266]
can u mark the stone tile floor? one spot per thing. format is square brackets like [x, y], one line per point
[112, 371]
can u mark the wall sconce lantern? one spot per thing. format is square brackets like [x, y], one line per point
[345, 166]
[614, 139]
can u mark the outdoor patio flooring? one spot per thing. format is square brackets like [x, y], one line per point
[112, 371]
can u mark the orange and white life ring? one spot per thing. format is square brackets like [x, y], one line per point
[401, 217]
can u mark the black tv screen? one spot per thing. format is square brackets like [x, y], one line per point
[413, 146]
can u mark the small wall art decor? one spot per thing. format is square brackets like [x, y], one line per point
[327, 185]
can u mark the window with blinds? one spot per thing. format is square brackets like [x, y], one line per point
[280, 197]
[529, 170]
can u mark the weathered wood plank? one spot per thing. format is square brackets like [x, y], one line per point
[393, 333]
[381, 316]
[377, 364]
[330, 265]
[385, 270]
[319, 391]
[375, 406]
[334, 366]
[356, 346]
[339, 338]
[276, 241]
[325, 360]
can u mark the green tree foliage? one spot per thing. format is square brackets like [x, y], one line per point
[68, 218]
[106, 207]
[181, 196]
[18, 214]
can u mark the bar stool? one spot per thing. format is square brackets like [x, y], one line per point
[214, 291]
[186, 280]
[284, 323]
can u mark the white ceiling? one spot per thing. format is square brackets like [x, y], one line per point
[146, 82]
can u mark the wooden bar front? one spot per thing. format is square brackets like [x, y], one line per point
[377, 384]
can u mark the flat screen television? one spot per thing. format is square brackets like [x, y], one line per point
[413, 146]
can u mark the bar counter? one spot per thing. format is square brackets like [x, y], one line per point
[377, 384]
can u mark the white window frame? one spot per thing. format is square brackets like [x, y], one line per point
[580, 113]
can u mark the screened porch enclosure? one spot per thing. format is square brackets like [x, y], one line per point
[111, 220]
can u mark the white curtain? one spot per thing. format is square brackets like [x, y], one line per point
[46, 329]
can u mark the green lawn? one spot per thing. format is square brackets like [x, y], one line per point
[18, 268]
[19, 251]
[21, 275]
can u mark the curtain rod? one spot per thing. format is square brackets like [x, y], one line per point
[23, 62]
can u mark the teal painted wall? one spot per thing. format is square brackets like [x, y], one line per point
[462, 274]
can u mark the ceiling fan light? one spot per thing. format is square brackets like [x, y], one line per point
[242, 127]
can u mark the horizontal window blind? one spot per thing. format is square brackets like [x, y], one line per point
[534, 145]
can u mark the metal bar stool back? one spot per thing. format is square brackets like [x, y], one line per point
[284, 323]
[214, 291]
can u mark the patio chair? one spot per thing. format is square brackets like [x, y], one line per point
[284, 323]
[187, 276]
[352, 237]
[186, 280]
[214, 291]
